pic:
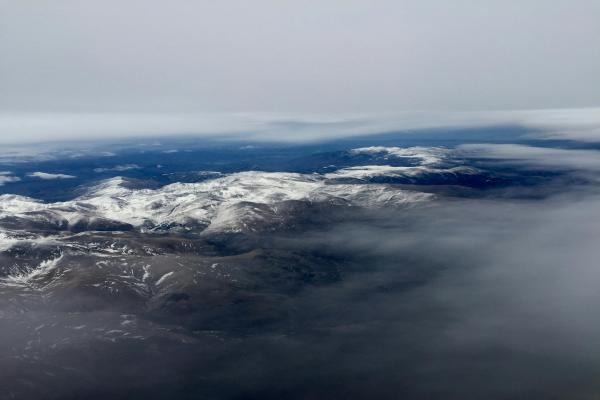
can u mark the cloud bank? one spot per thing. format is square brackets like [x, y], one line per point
[15, 128]
[540, 157]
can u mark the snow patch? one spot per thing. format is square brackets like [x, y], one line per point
[164, 278]
[26, 277]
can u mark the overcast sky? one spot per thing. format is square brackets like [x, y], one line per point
[328, 58]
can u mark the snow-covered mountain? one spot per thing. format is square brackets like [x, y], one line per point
[226, 203]
[223, 204]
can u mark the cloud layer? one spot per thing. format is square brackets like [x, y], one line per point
[331, 57]
[27, 127]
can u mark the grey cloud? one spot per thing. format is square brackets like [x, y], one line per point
[575, 124]
[541, 157]
[330, 57]
[476, 299]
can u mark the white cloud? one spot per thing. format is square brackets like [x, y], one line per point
[48, 176]
[118, 168]
[7, 177]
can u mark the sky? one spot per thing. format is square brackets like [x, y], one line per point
[72, 69]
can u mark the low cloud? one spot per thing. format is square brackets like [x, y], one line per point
[118, 168]
[540, 157]
[7, 177]
[473, 299]
[49, 176]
